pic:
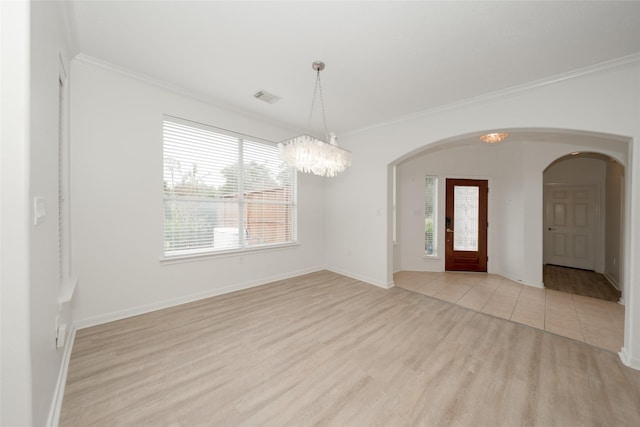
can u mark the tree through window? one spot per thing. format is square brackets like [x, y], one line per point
[223, 191]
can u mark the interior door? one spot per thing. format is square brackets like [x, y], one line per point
[570, 226]
[466, 225]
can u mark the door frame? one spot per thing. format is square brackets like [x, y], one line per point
[444, 215]
[599, 232]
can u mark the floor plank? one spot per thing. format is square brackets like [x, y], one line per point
[323, 349]
[594, 321]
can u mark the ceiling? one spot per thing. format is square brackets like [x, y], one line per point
[384, 60]
[616, 146]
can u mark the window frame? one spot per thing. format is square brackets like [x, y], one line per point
[66, 281]
[241, 202]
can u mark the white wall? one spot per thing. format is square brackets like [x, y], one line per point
[591, 172]
[118, 210]
[31, 363]
[476, 162]
[15, 356]
[514, 171]
[614, 221]
[47, 44]
[604, 100]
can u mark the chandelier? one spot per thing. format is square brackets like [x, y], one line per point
[309, 154]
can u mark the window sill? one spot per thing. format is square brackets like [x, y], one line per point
[66, 292]
[177, 259]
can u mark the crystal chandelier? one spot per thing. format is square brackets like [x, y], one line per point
[309, 154]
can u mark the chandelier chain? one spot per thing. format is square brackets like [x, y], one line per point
[318, 87]
[310, 154]
[324, 115]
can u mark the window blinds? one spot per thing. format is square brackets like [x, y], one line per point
[223, 191]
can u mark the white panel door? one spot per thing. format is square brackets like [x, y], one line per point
[570, 226]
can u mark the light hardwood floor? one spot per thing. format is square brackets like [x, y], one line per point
[322, 349]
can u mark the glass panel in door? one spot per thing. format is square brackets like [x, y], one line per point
[466, 225]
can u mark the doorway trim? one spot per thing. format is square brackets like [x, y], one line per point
[460, 260]
[562, 142]
[596, 234]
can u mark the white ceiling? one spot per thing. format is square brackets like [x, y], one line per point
[385, 60]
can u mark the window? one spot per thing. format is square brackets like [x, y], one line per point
[465, 213]
[430, 215]
[223, 191]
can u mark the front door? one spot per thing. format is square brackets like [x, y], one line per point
[570, 226]
[466, 225]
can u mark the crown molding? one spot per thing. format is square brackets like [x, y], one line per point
[499, 94]
[179, 90]
[504, 93]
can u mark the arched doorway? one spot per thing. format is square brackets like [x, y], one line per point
[583, 225]
[514, 169]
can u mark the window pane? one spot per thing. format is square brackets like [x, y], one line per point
[465, 213]
[430, 210]
[268, 223]
[263, 168]
[199, 223]
[268, 195]
[223, 192]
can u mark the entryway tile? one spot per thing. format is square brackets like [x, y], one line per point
[596, 322]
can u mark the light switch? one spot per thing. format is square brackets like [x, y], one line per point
[39, 210]
[61, 335]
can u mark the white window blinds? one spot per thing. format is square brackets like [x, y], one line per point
[223, 191]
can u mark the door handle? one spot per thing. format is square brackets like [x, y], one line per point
[449, 230]
[551, 229]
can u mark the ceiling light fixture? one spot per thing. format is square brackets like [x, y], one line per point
[309, 154]
[492, 138]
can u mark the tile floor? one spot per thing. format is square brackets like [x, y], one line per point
[593, 321]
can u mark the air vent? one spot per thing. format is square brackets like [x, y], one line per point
[266, 97]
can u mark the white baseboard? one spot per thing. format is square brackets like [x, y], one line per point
[147, 308]
[58, 393]
[627, 360]
[535, 285]
[612, 281]
[506, 276]
[427, 268]
[361, 278]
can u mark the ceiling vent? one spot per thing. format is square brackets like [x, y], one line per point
[266, 97]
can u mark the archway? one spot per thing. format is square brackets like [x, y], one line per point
[514, 169]
[584, 223]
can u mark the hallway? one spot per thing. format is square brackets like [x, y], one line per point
[579, 282]
[593, 321]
